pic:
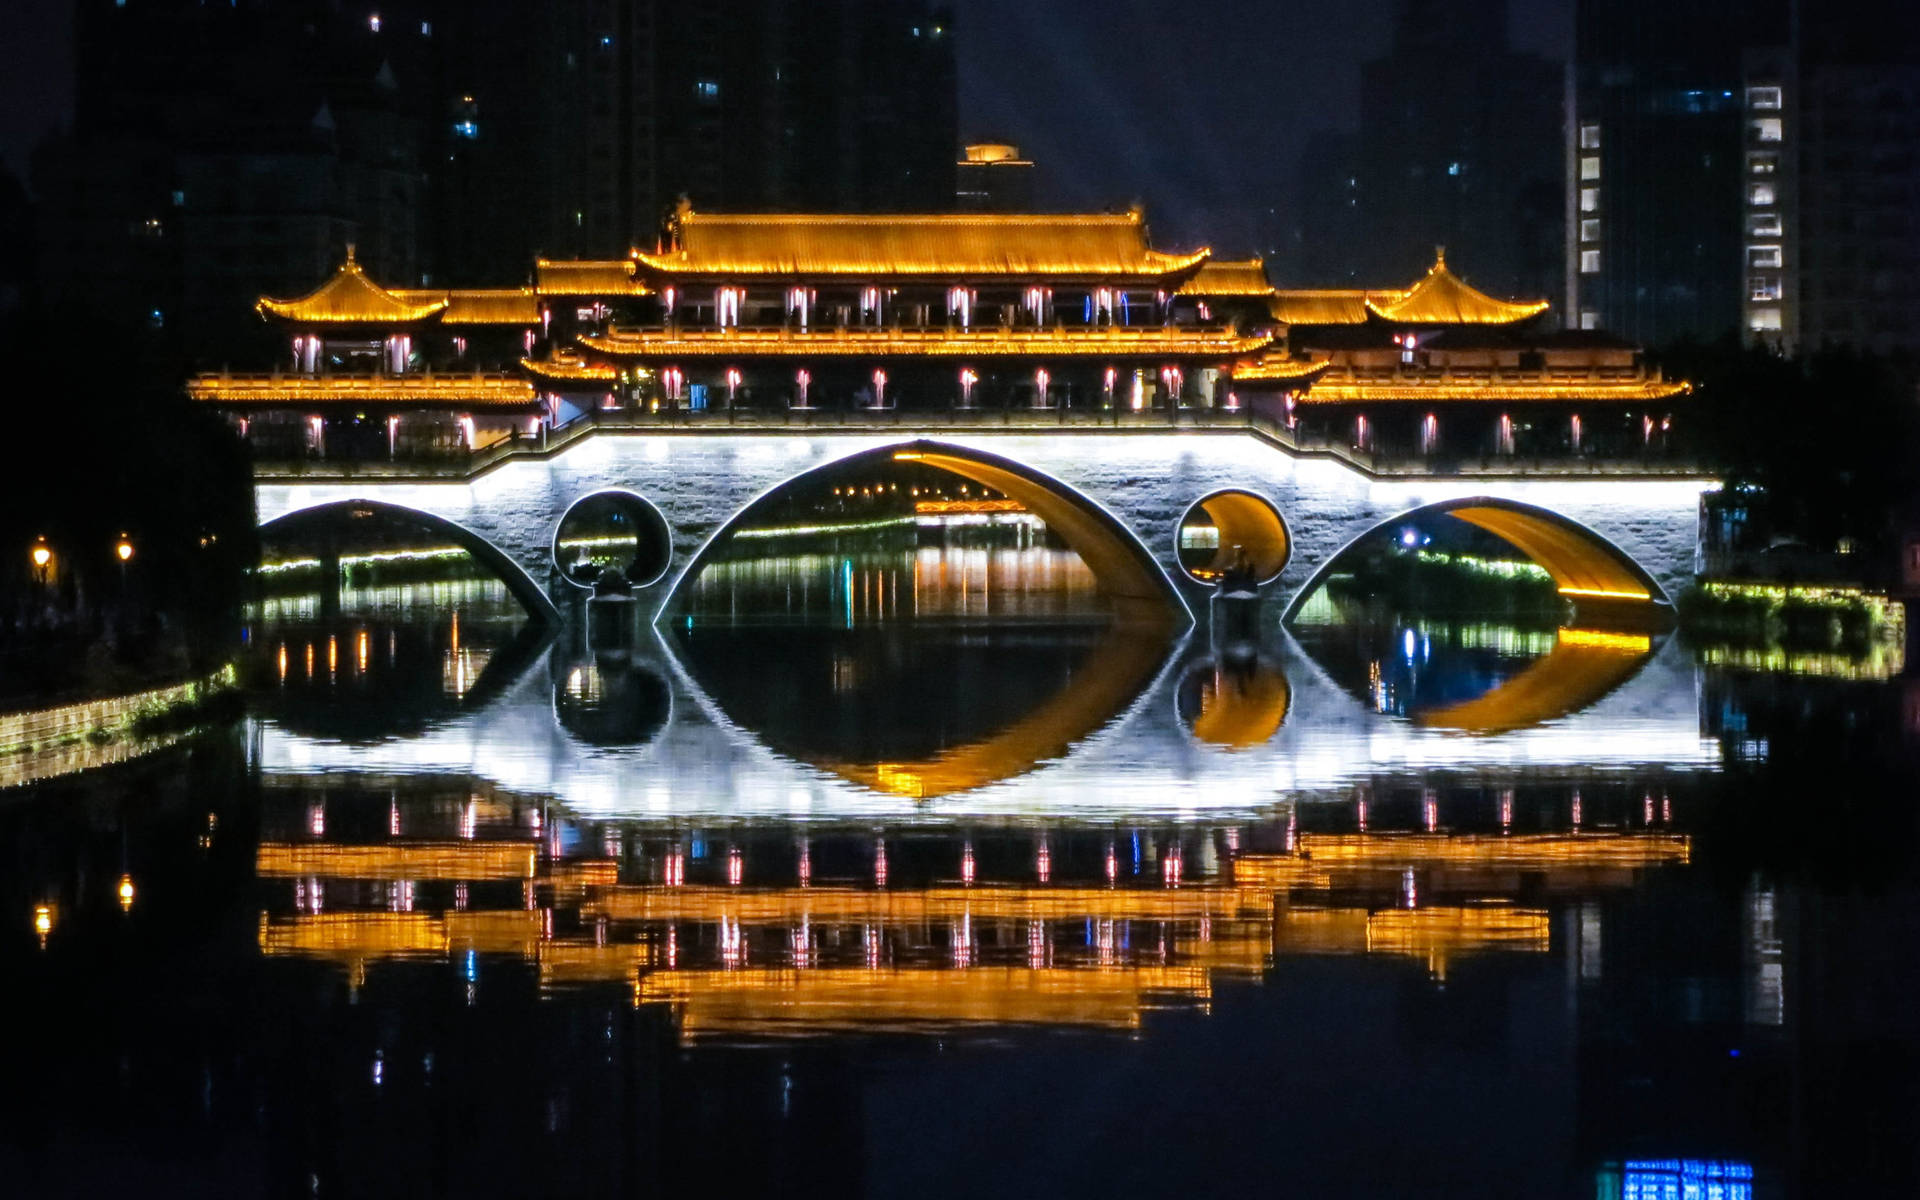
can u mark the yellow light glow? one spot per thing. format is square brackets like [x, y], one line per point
[123, 549]
[42, 556]
[125, 892]
[43, 922]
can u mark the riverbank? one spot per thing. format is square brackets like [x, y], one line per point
[44, 743]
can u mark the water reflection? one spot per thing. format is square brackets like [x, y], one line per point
[1236, 699]
[1477, 678]
[799, 930]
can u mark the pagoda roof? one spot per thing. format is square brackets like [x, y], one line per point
[1278, 369]
[919, 245]
[565, 367]
[588, 277]
[479, 306]
[1443, 298]
[1324, 306]
[350, 298]
[277, 390]
[1157, 342]
[1511, 389]
[1230, 277]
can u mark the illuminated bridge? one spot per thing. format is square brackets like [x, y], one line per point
[1117, 489]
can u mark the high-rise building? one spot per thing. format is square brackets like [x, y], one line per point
[1744, 165]
[233, 150]
[1457, 146]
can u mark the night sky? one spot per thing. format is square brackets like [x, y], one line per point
[1199, 109]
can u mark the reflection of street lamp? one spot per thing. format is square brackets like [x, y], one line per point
[123, 550]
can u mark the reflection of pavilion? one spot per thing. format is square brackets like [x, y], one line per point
[742, 959]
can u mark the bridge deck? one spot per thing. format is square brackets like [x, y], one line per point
[752, 423]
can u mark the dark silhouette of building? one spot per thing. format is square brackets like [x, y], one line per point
[992, 177]
[1457, 145]
[221, 152]
[1744, 165]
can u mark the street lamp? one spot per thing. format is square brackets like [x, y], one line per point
[41, 555]
[123, 549]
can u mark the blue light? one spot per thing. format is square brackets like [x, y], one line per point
[1410, 538]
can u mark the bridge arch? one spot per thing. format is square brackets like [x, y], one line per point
[1584, 565]
[1129, 576]
[521, 585]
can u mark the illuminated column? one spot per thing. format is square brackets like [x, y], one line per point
[310, 363]
[799, 302]
[1292, 400]
[726, 306]
[393, 436]
[1174, 381]
[1042, 380]
[870, 313]
[672, 380]
[1233, 401]
[668, 299]
[802, 382]
[317, 435]
[1429, 433]
[960, 306]
[1503, 438]
[733, 385]
[1138, 400]
[1573, 430]
[879, 389]
[466, 431]
[967, 380]
[1108, 380]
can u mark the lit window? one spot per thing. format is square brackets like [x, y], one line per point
[1766, 129]
[1764, 256]
[1589, 199]
[707, 89]
[1760, 195]
[1589, 137]
[373, 22]
[469, 130]
[179, 199]
[426, 29]
[1589, 319]
[1765, 225]
[1590, 167]
[1763, 162]
[1763, 97]
[1762, 320]
[1590, 229]
[1453, 168]
[1764, 287]
[1589, 262]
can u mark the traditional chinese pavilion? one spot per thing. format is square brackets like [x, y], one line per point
[740, 313]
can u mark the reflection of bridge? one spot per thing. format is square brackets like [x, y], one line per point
[1116, 494]
[746, 960]
[1133, 734]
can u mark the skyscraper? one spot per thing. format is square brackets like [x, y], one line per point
[233, 150]
[1458, 145]
[1744, 165]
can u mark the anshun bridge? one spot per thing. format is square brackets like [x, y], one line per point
[1064, 365]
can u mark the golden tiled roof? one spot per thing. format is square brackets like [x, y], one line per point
[1437, 388]
[351, 298]
[922, 245]
[587, 277]
[569, 368]
[1443, 298]
[1236, 277]
[1324, 306]
[1155, 342]
[275, 390]
[1280, 368]
[479, 306]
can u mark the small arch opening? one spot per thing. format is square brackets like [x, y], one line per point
[612, 533]
[1231, 530]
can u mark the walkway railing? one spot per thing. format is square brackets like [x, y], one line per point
[932, 423]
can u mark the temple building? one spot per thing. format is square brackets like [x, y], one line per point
[1076, 316]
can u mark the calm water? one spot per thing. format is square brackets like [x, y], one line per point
[904, 874]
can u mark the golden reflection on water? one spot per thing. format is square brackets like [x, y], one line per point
[751, 960]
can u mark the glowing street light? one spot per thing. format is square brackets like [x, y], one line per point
[125, 892]
[123, 549]
[43, 922]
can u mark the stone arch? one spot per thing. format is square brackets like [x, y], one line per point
[522, 586]
[1129, 575]
[1585, 566]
